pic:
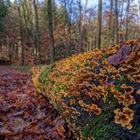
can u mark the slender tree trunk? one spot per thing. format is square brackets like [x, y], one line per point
[50, 28]
[127, 22]
[121, 13]
[116, 22]
[85, 8]
[99, 24]
[82, 26]
[110, 23]
[69, 25]
[53, 13]
[37, 31]
[67, 48]
[27, 13]
[18, 2]
[139, 15]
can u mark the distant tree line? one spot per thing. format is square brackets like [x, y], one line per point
[45, 31]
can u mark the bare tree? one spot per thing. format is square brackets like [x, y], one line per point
[18, 4]
[37, 31]
[110, 23]
[50, 29]
[116, 21]
[99, 24]
[127, 21]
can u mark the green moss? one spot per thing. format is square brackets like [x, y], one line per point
[105, 55]
[122, 80]
[106, 132]
[102, 127]
[138, 130]
[66, 88]
[86, 63]
[87, 130]
[59, 88]
[77, 66]
[44, 75]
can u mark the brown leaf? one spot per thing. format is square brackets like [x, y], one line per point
[17, 124]
[131, 57]
[61, 130]
[23, 113]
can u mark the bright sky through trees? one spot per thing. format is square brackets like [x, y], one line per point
[91, 2]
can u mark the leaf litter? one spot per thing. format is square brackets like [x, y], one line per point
[25, 115]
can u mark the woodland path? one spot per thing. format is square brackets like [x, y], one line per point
[25, 115]
[6, 69]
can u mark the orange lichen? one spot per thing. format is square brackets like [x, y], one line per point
[130, 78]
[103, 78]
[113, 71]
[130, 70]
[94, 63]
[137, 78]
[113, 50]
[138, 92]
[93, 108]
[125, 99]
[131, 42]
[124, 117]
[88, 78]
[115, 92]
[128, 100]
[127, 89]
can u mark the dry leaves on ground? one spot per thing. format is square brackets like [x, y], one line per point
[24, 115]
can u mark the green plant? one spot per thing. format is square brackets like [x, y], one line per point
[44, 75]
[121, 81]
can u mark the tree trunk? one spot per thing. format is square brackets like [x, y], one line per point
[83, 20]
[18, 3]
[70, 25]
[50, 28]
[116, 21]
[99, 24]
[27, 13]
[53, 13]
[127, 22]
[67, 48]
[37, 31]
[110, 23]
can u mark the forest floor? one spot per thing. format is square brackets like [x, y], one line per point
[25, 115]
[5, 69]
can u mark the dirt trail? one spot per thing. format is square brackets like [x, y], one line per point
[6, 69]
[24, 115]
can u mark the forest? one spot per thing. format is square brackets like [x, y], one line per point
[69, 69]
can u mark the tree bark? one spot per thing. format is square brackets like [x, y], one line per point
[127, 22]
[37, 31]
[99, 24]
[50, 29]
[18, 3]
[110, 23]
[116, 21]
[82, 26]
[66, 24]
